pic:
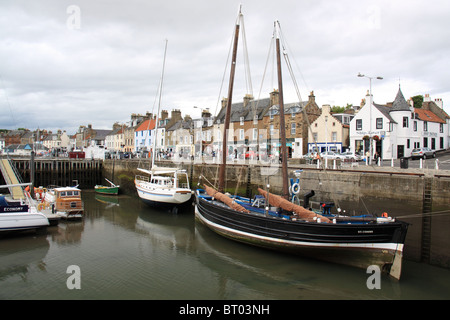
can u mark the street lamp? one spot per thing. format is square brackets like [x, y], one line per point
[370, 111]
[326, 141]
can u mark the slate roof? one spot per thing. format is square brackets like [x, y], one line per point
[259, 107]
[180, 124]
[385, 111]
[400, 103]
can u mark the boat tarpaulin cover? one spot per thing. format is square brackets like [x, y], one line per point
[299, 211]
[225, 199]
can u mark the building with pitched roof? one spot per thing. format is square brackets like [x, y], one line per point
[143, 137]
[330, 132]
[395, 129]
[255, 124]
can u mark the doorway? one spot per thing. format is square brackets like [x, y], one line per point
[400, 151]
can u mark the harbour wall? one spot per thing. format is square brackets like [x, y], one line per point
[60, 171]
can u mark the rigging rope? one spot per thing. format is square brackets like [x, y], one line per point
[291, 72]
[425, 214]
[158, 89]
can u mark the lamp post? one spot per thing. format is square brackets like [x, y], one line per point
[370, 111]
[326, 141]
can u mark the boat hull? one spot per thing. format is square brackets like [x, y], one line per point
[107, 190]
[21, 221]
[359, 245]
[164, 198]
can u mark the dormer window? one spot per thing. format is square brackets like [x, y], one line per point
[273, 111]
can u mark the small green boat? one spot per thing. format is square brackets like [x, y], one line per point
[112, 189]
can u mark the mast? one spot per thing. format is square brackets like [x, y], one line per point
[282, 124]
[159, 106]
[221, 184]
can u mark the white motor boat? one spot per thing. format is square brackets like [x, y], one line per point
[19, 216]
[163, 186]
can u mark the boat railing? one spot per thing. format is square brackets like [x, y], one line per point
[143, 178]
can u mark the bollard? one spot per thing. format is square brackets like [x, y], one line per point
[437, 164]
[420, 163]
[392, 162]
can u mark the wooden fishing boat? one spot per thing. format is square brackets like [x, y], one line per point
[65, 202]
[112, 189]
[274, 222]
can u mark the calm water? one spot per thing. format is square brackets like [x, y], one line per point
[126, 250]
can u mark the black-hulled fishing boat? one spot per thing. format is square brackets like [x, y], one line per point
[274, 222]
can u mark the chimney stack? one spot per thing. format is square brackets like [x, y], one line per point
[274, 97]
[247, 99]
[439, 103]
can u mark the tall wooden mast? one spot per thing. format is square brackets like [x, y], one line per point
[282, 124]
[221, 184]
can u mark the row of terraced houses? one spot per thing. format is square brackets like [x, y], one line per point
[392, 130]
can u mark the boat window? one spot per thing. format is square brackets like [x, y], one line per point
[69, 193]
[63, 194]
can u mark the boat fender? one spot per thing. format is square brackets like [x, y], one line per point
[295, 188]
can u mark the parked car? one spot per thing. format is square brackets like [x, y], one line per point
[423, 153]
[352, 155]
[331, 155]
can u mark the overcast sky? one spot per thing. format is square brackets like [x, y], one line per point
[69, 63]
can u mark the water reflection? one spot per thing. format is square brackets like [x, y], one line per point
[18, 254]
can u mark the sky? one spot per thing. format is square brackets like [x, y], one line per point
[67, 63]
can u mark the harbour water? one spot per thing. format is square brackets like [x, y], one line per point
[124, 249]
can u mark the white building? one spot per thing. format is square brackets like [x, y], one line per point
[393, 132]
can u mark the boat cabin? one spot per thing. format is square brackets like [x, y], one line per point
[162, 181]
[68, 199]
